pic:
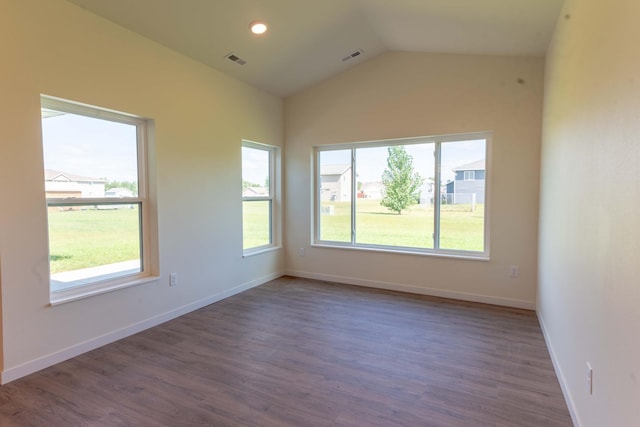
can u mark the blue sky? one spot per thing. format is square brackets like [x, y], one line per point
[90, 147]
[371, 162]
[100, 148]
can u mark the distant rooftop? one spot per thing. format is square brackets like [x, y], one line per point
[338, 169]
[478, 165]
[51, 175]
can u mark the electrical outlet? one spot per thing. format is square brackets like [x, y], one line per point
[173, 279]
[589, 378]
[301, 252]
[514, 271]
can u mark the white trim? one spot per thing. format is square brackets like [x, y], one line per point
[564, 386]
[443, 253]
[82, 109]
[463, 296]
[51, 359]
[260, 250]
[273, 153]
[147, 231]
[94, 288]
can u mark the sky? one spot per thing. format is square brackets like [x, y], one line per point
[90, 147]
[255, 165]
[371, 162]
[99, 148]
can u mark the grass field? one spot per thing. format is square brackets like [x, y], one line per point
[81, 239]
[460, 228]
[255, 224]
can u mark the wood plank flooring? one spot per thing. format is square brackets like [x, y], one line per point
[298, 352]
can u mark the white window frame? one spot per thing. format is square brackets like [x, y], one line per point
[469, 175]
[96, 285]
[436, 250]
[274, 238]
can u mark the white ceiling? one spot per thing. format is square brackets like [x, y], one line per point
[307, 39]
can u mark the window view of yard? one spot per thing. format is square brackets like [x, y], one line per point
[460, 227]
[258, 168]
[419, 194]
[255, 223]
[90, 238]
[95, 192]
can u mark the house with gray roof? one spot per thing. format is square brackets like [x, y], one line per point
[468, 186]
[335, 182]
[59, 184]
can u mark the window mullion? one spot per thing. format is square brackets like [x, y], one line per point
[353, 196]
[437, 197]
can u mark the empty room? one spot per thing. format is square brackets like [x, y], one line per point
[319, 213]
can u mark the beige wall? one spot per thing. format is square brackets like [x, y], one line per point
[415, 94]
[589, 293]
[201, 116]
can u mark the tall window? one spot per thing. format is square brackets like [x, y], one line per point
[258, 188]
[410, 195]
[95, 185]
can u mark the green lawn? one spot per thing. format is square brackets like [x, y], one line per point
[90, 238]
[255, 224]
[460, 228]
[81, 239]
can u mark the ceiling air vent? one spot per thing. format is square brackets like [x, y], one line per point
[352, 55]
[234, 58]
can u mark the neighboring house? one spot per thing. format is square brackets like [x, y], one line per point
[255, 192]
[118, 192]
[426, 192]
[469, 180]
[335, 183]
[371, 190]
[64, 185]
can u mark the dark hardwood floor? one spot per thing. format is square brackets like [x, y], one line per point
[299, 352]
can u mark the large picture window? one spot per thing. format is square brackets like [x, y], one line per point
[258, 189]
[417, 195]
[96, 193]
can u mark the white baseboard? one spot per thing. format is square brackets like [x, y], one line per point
[43, 362]
[566, 391]
[464, 296]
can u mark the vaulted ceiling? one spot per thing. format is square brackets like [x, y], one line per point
[308, 39]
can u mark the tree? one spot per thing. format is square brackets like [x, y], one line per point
[129, 185]
[248, 184]
[401, 183]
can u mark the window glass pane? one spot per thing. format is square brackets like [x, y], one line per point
[462, 176]
[255, 172]
[256, 223]
[335, 195]
[394, 204]
[89, 242]
[257, 215]
[88, 157]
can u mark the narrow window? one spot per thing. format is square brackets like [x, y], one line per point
[258, 189]
[96, 193]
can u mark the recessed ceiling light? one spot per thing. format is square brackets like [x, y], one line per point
[258, 27]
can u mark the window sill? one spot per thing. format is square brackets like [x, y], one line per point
[261, 250]
[441, 254]
[81, 292]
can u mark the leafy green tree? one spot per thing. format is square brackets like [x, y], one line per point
[130, 185]
[247, 184]
[401, 183]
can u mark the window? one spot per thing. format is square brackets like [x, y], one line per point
[258, 188]
[409, 195]
[97, 202]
